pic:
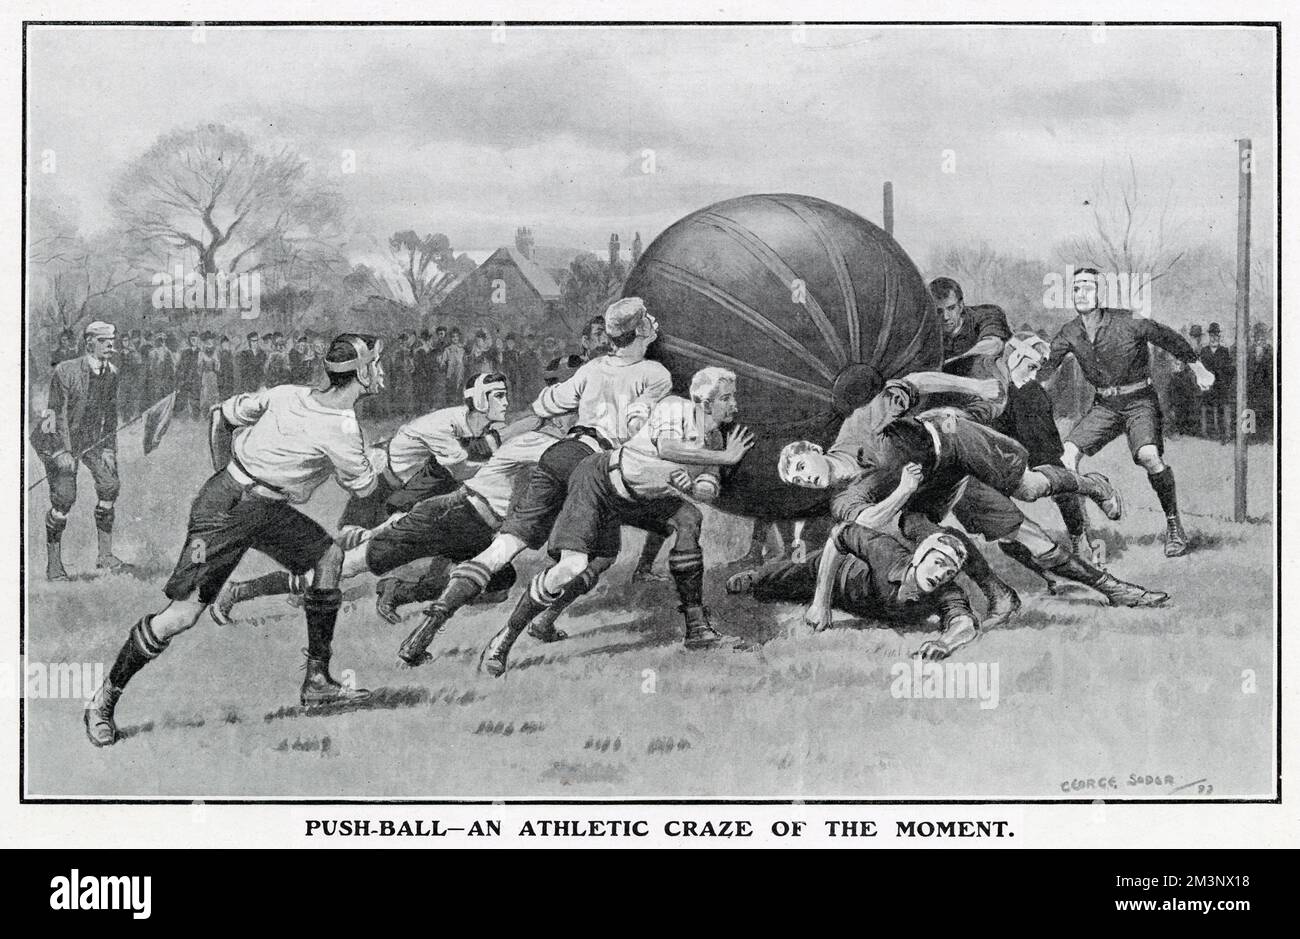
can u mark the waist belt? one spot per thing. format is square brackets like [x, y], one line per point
[616, 477]
[1113, 390]
[591, 437]
[482, 507]
[250, 483]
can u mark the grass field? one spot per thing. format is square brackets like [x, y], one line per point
[1180, 698]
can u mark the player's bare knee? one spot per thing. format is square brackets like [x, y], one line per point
[1071, 456]
[1148, 457]
[502, 550]
[177, 617]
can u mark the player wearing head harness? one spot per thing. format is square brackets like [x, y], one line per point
[1112, 349]
[611, 396]
[876, 575]
[271, 449]
[415, 464]
[79, 425]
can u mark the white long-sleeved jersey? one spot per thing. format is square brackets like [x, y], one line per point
[607, 393]
[438, 433]
[288, 441]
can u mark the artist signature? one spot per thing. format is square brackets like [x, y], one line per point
[1097, 785]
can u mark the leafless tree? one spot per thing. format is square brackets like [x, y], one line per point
[210, 193]
[71, 275]
[1133, 231]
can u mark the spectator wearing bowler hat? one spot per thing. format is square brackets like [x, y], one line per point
[1216, 404]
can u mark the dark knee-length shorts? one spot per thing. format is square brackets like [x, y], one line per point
[226, 520]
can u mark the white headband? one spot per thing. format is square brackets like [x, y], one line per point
[477, 393]
[363, 357]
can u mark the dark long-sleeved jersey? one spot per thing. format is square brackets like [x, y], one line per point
[1117, 354]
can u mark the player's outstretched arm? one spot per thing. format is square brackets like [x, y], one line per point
[929, 383]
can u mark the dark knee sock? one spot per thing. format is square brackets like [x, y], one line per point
[1022, 556]
[322, 610]
[1163, 483]
[531, 602]
[1076, 523]
[54, 526]
[1060, 480]
[687, 568]
[142, 646]
[468, 580]
[267, 585]
[650, 551]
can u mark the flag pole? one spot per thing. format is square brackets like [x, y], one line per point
[112, 433]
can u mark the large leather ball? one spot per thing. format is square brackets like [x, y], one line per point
[811, 305]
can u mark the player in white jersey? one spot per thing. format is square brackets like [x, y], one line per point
[678, 452]
[415, 464]
[271, 448]
[610, 398]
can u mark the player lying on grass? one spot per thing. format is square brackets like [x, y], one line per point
[291, 439]
[418, 463]
[875, 574]
[642, 484]
[612, 396]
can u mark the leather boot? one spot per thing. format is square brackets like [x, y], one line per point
[54, 526]
[700, 633]
[101, 726]
[496, 653]
[54, 561]
[1175, 537]
[543, 627]
[319, 687]
[1116, 591]
[412, 651]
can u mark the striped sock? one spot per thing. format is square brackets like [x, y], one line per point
[142, 646]
[687, 568]
[533, 600]
[467, 580]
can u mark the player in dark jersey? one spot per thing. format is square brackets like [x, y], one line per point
[1111, 349]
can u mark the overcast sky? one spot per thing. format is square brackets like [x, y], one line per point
[458, 133]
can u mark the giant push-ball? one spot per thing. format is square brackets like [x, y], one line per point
[812, 306]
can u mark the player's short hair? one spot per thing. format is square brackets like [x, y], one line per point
[562, 368]
[343, 349]
[791, 452]
[942, 287]
[704, 383]
[1087, 269]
